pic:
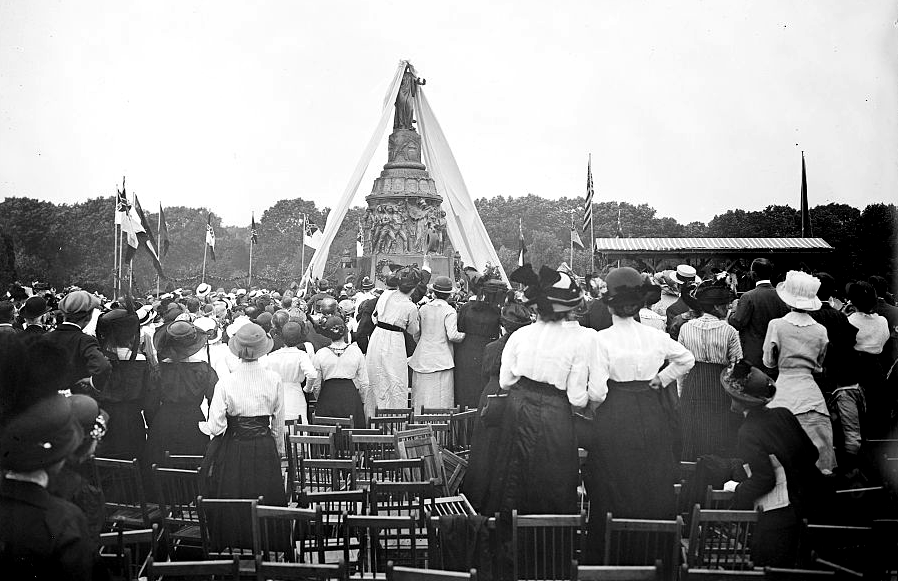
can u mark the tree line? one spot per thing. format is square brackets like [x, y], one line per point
[66, 244]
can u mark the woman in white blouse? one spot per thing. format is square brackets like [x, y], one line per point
[872, 335]
[246, 417]
[295, 367]
[631, 463]
[548, 369]
[341, 379]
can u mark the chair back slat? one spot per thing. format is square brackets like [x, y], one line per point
[643, 542]
[396, 573]
[327, 475]
[721, 539]
[287, 534]
[177, 491]
[383, 539]
[389, 424]
[544, 546]
[227, 527]
[223, 569]
[368, 448]
[421, 443]
[125, 501]
[461, 431]
[266, 571]
[398, 470]
[616, 572]
[437, 559]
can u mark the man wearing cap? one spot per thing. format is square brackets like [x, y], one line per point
[365, 294]
[87, 366]
[755, 310]
[684, 278]
[41, 536]
[775, 450]
[33, 312]
[432, 362]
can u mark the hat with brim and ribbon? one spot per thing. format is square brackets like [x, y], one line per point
[799, 291]
[684, 274]
[203, 290]
[442, 284]
[250, 342]
[366, 284]
[626, 287]
[35, 307]
[210, 327]
[550, 290]
[178, 340]
[40, 436]
[747, 384]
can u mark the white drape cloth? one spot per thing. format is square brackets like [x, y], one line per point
[463, 223]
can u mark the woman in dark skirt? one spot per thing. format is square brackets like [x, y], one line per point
[547, 368]
[185, 379]
[124, 394]
[479, 321]
[246, 418]
[631, 467]
[481, 460]
[709, 426]
[342, 380]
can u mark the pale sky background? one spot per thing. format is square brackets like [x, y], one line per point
[692, 107]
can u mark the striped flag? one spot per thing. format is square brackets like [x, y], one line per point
[359, 241]
[210, 237]
[136, 227]
[252, 230]
[523, 250]
[122, 207]
[587, 209]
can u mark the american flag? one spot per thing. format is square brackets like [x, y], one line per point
[359, 241]
[210, 237]
[252, 230]
[587, 208]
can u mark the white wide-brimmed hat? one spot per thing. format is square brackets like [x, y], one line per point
[799, 291]
[203, 290]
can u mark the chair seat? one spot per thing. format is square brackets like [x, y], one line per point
[133, 517]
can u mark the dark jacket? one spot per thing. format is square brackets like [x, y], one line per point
[776, 431]
[755, 310]
[82, 354]
[597, 316]
[42, 537]
[840, 364]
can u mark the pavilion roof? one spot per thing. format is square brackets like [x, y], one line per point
[711, 245]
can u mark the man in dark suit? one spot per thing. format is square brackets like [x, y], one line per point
[771, 438]
[87, 367]
[7, 317]
[755, 310]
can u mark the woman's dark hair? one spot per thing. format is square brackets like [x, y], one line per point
[551, 316]
[441, 295]
[625, 310]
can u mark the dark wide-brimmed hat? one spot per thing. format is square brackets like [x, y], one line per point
[40, 436]
[747, 384]
[178, 340]
[366, 284]
[34, 307]
[250, 342]
[714, 291]
[626, 286]
[515, 316]
[442, 284]
[550, 290]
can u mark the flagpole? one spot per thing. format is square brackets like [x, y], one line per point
[302, 250]
[249, 282]
[572, 241]
[115, 236]
[592, 226]
[205, 250]
[159, 248]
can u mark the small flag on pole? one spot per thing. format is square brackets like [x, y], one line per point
[313, 236]
[252, 231]
[359, 241]
[523, 250]
[807, 230]
[121, 203]
[134, 224]
[164, 241]
[210, 237]
[587, 209]
[575, 238]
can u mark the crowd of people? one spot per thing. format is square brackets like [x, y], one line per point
[641, 370]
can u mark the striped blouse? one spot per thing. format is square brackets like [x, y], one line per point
[711, 340]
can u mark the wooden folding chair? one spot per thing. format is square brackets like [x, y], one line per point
[122, 484]
[777, 574]
[848, 549]
[421, 443]
[718, 499]
[271, 571]
[369, 448]
[543, 546]
[389, 424]
[182, 461]
[314, 429]
[305, 446]
[454, 467]
[287, 534]
[401, 499]
[446, 505]
[408, 412]
[422, 419]
[398, 470]
[395, 573]
[333, 421]
[687, 574]
[327, 475]
[331, 542]
[227, 527]
[382, 539]
[721, 539]
[127, 552]
[616, 572]
[642, 542]
[177, 491]
[440, 431]
[228, 569]
[425, 411]
[461, 431]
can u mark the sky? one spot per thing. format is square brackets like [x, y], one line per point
[693, 107]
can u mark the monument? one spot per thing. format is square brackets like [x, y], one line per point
[404, 221]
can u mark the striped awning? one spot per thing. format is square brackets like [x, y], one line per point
[703, 245]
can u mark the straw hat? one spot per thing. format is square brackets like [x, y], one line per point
[799, 291]
[442, 284]
[684, 274]
[203, 290]
[250, 342]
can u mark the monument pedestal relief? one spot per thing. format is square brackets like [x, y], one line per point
[405, 221]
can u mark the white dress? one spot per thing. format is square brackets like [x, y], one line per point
[294, 366]
[386, 357]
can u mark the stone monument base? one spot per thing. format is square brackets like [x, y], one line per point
[376, 266]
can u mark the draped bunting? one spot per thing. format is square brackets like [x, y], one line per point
[463, 223]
